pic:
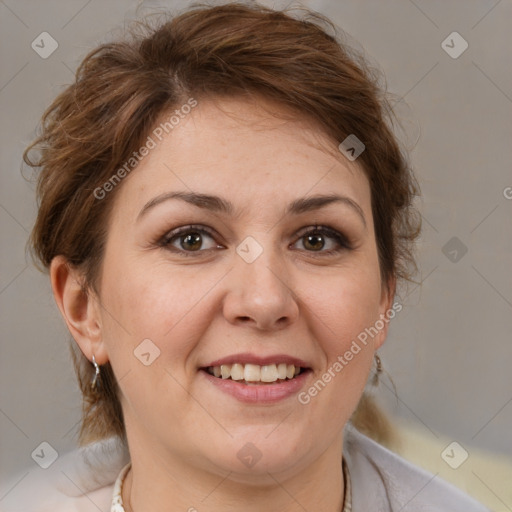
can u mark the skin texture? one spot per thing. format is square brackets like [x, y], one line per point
[183, 433]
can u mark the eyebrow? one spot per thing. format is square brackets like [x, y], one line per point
[219, 205]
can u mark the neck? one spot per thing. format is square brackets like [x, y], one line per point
[320, 487]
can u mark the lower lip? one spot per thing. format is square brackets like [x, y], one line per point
[259, 393]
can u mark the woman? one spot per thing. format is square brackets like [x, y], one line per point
[225, 214]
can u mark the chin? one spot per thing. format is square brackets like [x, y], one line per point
[252, 456]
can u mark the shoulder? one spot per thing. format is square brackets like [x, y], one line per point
[79, 481]
[384, 481]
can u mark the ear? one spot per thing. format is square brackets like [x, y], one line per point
[79, 307]
[387, 311]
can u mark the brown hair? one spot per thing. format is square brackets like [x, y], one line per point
[121, 90]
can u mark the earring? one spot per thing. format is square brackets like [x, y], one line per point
[96, 375]
[378, 363]
[379, 370]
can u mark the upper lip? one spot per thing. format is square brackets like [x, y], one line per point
[247, 358]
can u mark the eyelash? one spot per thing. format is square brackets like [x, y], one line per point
[165, 241]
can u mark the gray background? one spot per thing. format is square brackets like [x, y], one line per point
[449, 351]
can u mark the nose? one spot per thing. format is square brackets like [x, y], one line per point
[260, 294]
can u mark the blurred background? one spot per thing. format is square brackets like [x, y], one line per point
[449, 351]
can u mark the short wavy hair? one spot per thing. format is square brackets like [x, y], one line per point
[122, 88]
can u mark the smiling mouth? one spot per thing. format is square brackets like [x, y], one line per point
[253, 374]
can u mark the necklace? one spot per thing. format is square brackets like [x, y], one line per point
[118, 503]
[117, 499]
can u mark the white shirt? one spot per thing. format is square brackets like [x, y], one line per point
[88, 480]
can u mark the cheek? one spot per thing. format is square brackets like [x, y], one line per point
[339, 310]
[346, 302]
[342, 312]
[159, 303]
[150, 310]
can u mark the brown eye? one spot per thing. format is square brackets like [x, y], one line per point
[187, 239]
[315, 242]
[192, 241]
[316, 239]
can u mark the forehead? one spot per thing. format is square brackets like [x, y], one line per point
[237, 149]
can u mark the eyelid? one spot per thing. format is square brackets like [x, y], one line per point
[185, 229]
[322, 228]
[343, 241]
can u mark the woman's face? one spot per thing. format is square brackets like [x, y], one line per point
[254, 282]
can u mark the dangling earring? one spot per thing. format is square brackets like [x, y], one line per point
[378, 362]
[376, 375]
[96, 375]
[379, 371]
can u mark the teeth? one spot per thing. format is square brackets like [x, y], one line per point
[237, 372]
[254, 372]
[225, 371]
[269, 373]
